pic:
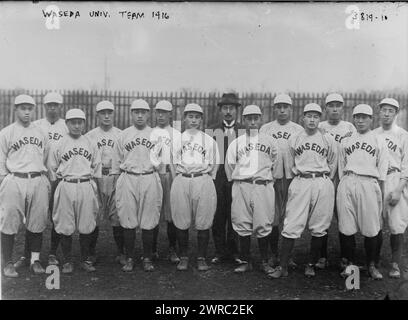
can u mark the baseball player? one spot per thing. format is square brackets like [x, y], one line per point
[281, 130]
[76, 161]
[105, 136]
[138, 189]
[363, 166]
[165, 134]
[339, 129]
[225, 238]
[396, 186]
[250, 161]
[311, 193]
[193, 197]
[24, 187]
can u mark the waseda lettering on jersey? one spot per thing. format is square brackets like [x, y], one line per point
[251, 146]
[27, 140]
[77, 151]
[391, 145]
[363, 146]
[54, 136]
[338, 137]
[105, 142]
[281, 135]
[138, 141]
[193, 147]
[313, 147]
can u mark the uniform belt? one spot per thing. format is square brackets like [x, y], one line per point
[27, 175]
[192, 175]
[263, 182]
[391, 170]
[312, 175]
[105, 171]
[76, 180]
[137, 174]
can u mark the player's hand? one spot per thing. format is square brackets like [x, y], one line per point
[394, 197]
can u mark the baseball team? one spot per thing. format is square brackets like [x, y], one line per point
[232, 181]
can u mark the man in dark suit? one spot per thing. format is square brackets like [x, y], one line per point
[224, 132]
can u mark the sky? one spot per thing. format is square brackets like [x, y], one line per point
[260, 47]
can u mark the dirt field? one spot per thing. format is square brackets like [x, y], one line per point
[109, 282]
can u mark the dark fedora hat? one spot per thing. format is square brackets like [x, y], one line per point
[229, 98]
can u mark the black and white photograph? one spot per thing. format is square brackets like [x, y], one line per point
[225, 152]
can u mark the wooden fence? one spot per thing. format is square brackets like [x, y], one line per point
[87, 100]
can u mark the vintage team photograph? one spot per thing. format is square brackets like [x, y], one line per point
[204, 151]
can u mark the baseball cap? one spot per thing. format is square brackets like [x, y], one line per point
[251, 109]
[363, 108]
[312, 107]
[105, 105]
[24, 98]
[389, 101]
[53, 97]
[75, 114]
[282, 98]
[193, 107]
[334, 97]
[164, 105]
[140, 104]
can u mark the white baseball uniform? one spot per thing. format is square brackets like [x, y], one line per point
[105, 141]
[194, 198]
[249, 163]
[23, 199]
[165, 136]
[363, 160]
[55, 131]
[311, 193]
[76, 204]
[396, 140]
[282, 172]
[138, 189]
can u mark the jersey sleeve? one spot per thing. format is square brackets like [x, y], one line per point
[332, 155]
[157, 151]
[291, 153]
[96, 161]
[117, 157]
[230, 159]
[214, 156]
[3, 153]
[382, 159]
[342, 160]
[404, 157]
[274, 153]
[53, 161]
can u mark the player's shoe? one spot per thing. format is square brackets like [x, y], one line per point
[37, 268]
[216, 260]
[265, 267]
[88, 266]
[243, 267]
[9, 271]
[309, 271]
[273, 260]
[121, 259]
[374, 272]
[183, 264]
[128, 267]
[395, 272]
[292, 264]
[68, 268]
[322, 263]
[202, 264]
[148, 265]
[343, 263]
[236, 259]
[278, 272]
[173, 256]
[22, 262]
[93, 259]
[345, 273]
[52, 260]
